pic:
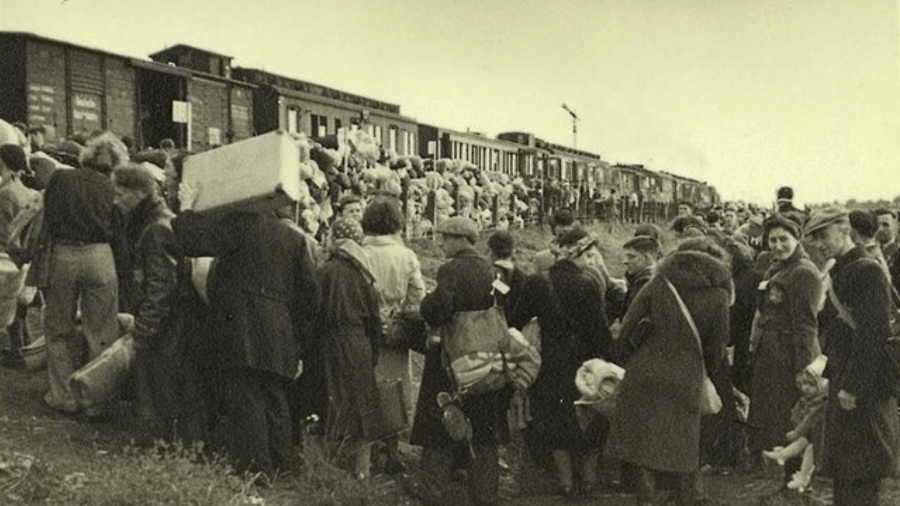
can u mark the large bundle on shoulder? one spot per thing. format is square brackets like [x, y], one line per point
[483, 354]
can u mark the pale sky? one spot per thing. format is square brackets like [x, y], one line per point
[748, 95]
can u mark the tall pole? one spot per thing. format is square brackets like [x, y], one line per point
[574, 125]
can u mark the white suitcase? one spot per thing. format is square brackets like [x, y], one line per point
[261, 168]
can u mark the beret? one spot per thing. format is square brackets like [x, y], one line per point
[822, 218]
[459, 226]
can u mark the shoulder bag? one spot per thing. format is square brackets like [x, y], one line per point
[710, 402]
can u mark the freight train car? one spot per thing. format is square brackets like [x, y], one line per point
[65, 88]
[476, 148]
[71, 90]
[297, 106]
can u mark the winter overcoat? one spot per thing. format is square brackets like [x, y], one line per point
[568, 303]
[788, 342]
[263, 292]
[860, 444]
[463, 284]
[657, 423]
[350, 327]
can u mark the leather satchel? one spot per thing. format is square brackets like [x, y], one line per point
[710, 402]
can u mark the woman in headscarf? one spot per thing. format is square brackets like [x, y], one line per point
[786, 339]
[656, 425]
[350, 326]
[569, 305]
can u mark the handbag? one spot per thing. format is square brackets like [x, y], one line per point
[710, 402]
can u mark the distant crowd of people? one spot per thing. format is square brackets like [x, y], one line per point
[246, 325]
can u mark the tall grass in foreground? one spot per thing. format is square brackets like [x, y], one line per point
[176, 476]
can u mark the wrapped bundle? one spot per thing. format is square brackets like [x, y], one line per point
[103, 377]
[523, 354]
[598, 382]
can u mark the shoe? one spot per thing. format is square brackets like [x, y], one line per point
[772, 456]
[394, 467]
[800, 482]
[70, 406]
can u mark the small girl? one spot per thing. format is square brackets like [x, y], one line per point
[807, 415]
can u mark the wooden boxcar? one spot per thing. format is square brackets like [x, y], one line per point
[297, 106]
[70, 89]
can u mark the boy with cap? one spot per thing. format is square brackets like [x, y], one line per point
[861, 425]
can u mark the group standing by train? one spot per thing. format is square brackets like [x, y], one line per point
[277, 326]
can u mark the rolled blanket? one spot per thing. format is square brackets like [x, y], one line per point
[598, 382]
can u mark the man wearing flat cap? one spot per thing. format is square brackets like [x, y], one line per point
[861, 425]
[463, 284]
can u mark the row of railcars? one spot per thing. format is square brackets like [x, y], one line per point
[198, 99]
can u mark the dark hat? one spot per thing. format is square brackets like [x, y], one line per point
[644, 244]
[562, 217]
[13, 157]
[785, 193]
[863, 222]
[459, 226]
[346, 200]
[780, 220]
[648, 230]
[822, 218]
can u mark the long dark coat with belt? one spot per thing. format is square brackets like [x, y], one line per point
[263, 290]
[568, 303]
[788, 342]
[657, 423]
[463, 284]
[860, 444]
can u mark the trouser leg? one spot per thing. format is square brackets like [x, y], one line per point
[248, 437]
[99, 299]
[645, 492]
[562, 463]
[855, 492]
[484, 476]
[64, 347]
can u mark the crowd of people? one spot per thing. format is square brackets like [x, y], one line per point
[250, 323]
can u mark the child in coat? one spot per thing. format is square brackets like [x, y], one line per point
[807, 415]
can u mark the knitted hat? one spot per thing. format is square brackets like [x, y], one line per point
[345, 228]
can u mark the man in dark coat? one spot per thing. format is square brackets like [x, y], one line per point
[262, 296]
[463, 284]
[861, 426]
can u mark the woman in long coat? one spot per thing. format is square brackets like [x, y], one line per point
[657, 424]
[569, 305]
[788, 335]
[351, 328]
